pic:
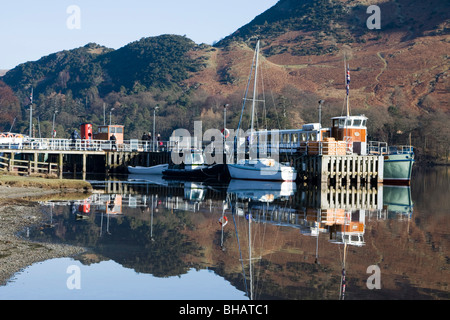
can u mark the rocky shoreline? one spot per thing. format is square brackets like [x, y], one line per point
[18, 210]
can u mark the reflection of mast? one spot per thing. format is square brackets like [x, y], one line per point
[223, 222]
[248, 290]
[233, 213]
[151, 219]
[317, 240]
[343, 275]
[343, 284]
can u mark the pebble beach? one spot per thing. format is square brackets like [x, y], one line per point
[19, 209]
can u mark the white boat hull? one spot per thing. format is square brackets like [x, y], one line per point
[156, 170]
[243, 172]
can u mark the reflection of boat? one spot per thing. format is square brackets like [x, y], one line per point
[194, 192]
[264, 191]
[147, 178]
[348, 229]
[154, 170]
[260, 168]
[398, 199]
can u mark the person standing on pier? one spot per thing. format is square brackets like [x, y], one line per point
[75, 137]
[113, 142]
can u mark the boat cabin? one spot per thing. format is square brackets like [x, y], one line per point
[353, 130]
[105, 133]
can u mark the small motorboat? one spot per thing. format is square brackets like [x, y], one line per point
[156, 170]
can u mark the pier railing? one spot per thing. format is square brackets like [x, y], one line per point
[44, 144]
[382, 148]
[27, 166]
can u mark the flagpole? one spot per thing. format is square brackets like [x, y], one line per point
[348, 88]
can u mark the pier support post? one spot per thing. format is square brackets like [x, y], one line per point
[60, 165]
[11, 162]
[84, 166]
[35, 161]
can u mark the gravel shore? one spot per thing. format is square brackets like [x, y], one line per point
[18, 210]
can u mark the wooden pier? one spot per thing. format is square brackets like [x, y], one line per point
[55, 162]
[339, 170]
[319, 169]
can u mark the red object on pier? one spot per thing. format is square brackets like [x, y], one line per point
[86, 131]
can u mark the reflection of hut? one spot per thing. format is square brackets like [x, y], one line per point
[348, 227]
[114, 205]
[105, 133]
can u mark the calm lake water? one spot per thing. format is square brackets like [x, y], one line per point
[148, 238]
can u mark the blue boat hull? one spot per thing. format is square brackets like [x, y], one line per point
[398, 168]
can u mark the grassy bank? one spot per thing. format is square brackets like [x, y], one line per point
[44, 183]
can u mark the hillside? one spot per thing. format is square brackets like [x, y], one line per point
[399, 74]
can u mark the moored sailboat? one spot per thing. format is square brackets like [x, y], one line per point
[257, 168]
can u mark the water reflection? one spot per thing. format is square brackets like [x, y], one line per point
[269, 240]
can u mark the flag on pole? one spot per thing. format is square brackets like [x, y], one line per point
[348, 80]
[31, 96]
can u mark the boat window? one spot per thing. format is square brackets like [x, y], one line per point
[285, 137]
[294, 138]
[312, 136]
[341, 123]
[103, 130]
[349, 123]
[357, 122]
[303, 136]
[364, 123]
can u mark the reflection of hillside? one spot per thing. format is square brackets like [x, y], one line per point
[147, 240]
[298, 239]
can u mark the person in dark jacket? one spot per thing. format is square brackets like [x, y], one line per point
[75, 136]
[113, 142]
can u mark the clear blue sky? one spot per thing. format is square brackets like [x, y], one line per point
[32, 29]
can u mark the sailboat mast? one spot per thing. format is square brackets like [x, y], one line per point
[254, 89]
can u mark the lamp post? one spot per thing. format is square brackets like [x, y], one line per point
[320, 112]
[110, 115]
[154, 118]
[53, 124]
